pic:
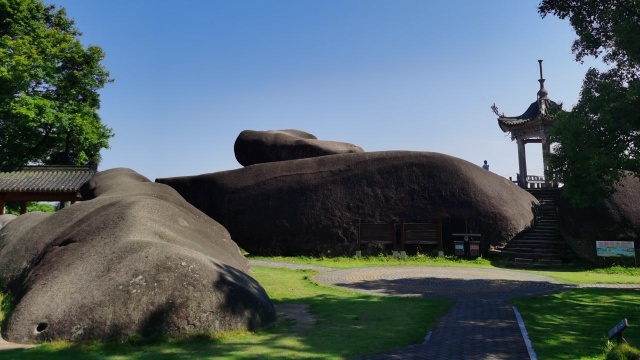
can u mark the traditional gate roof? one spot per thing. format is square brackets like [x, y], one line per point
[44, 179]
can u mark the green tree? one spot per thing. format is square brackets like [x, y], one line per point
[48, 88]
[14, 207]
[597, 143]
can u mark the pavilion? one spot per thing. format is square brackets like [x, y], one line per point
[42, 183]
[531, 127]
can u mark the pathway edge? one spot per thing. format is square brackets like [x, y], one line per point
[525, 335]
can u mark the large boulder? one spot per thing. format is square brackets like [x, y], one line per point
[5, 218]
[135, 258]
[256, 147]
[313, 206]
[616, 218]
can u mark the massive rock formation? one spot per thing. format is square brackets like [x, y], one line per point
[134, 258]
[617, 218]
[5, 218]
[312, 206]
[256, 147]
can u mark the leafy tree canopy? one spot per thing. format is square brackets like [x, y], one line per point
[598, 142]
[48, 88]
[14, 207]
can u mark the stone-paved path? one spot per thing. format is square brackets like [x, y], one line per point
[480, 326]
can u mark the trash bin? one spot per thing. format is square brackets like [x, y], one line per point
[474, 248]
[459, 248]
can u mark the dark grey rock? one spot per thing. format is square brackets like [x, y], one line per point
[616, 218]
[135, 258]
[312, 206]
[256, 147]
[5, 218]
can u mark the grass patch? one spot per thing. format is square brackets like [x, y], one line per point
[574, 325]
[348, 325]
[585, 274]
[570, 274]
[343, 262]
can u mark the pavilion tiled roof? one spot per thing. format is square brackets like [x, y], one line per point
[45, 178]
[542, 108]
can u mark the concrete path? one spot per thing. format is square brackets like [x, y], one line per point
[5, 345]
[480, 326]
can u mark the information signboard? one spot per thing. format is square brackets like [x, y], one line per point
[615, 248]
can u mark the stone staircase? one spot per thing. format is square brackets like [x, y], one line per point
[540, 245]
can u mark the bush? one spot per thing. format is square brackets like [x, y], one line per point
[14, 207]
[623, 352]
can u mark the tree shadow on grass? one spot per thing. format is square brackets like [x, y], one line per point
[348, 323]
[574, 324]
[345, 327]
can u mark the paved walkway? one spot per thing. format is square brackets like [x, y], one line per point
[480, 326]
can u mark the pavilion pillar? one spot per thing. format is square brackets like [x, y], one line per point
[522, 164]
[546, 150]
[23, 207]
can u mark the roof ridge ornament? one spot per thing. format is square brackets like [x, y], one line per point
[542, 93]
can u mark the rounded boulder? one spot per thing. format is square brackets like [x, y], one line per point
[135, 258]
[256, 147]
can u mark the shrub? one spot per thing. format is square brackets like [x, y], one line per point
[623, 352]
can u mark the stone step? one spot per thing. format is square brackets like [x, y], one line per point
[534, 231]
[548, 217]
[537, 239]
[532, 254]
[533, 245]
[540, 245]
[538, 236]
[547, 227]
[520, 263]
[518, 249]
[533, 242]
[545, 263]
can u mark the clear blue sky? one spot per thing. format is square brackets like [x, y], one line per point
[385, 75]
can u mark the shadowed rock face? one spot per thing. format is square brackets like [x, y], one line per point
[135, 258]
[256, 147]
[617, 218]
[313, 206]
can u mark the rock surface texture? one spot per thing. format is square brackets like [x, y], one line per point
[617, 218]
[313, 206]
[5, 218]
[256, 147]
[134, 258]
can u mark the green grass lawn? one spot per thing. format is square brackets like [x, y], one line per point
[571, 274]
[574, 325]
[347, 325]
[571, 325]
[381, 260]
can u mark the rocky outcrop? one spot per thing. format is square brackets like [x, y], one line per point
[5, 218]
[256, 147]
[616, 218]
[312, 206]
[135, 258]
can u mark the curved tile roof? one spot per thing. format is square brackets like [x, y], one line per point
[541, 108]
[45, 178]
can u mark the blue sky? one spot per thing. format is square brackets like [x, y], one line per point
[385, 75]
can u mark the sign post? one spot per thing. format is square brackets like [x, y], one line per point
[617, 330]
[616, 249]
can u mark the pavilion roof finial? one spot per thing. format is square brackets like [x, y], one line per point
[540, 64]
[542, 93]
